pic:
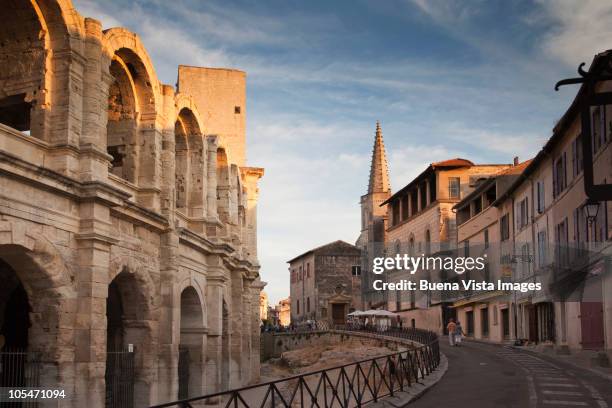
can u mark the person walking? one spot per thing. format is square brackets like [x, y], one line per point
[458, 333]
[451, 327]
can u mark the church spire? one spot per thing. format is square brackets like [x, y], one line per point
[379, 172]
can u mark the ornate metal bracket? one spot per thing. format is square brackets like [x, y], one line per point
[585, 76]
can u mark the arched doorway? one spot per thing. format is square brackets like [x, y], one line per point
[128, 338]
[191, 345]
[15, 370]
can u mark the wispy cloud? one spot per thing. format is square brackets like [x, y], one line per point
[578, 30]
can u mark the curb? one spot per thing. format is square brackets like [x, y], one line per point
[403, 398]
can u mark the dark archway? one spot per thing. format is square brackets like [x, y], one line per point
[22, 64]
[127, 339]
[14, 329]
[191, 344]
[122, 125]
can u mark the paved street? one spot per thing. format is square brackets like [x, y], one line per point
[481, 375]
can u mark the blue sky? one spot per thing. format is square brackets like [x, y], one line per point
[472, 79]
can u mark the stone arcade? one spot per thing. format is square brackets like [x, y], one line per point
[127, 215]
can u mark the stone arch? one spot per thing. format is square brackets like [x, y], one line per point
[32, 75]
[183, 101]
[127, 45]
[223, 186]
[132, 317]
[190, 164]
[192, 343]
[31, 261]
[134, 101]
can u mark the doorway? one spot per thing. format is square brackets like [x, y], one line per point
[505, 315]
[338, 313]
[15, 369]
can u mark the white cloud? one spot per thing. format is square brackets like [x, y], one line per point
[579, 29]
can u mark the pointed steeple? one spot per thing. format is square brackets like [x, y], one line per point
[379, 171]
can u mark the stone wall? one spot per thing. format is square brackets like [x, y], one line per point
[274, 344]
[126, 222]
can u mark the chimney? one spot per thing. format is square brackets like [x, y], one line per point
[516, 161]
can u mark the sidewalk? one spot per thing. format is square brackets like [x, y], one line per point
[577, 358]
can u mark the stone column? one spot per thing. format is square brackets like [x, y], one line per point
[211, 185]
[247, 313]
[94, 159]
[251, 176]
[409, 203]
[237, 322]
[168, 163]
[257, 287]
[94, 243]
[149, 167]
[169, 255]
[215, 287]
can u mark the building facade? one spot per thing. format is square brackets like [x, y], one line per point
[570, 254]
[422, 222]
[263, 305]
[483, 230]
[325, 283]
[284, 312]
[538, 231]
[127, 214]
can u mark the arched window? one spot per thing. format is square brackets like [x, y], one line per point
[223, 186]
[131, 107]
[190, 165]
[23, 53]
[427, 242]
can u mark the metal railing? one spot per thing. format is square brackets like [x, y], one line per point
[119, 379]
[346, 386]
[18, 369]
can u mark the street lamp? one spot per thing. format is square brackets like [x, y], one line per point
[590, 208]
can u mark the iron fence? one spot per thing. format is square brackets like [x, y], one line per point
[119, 378]
[346, 386]
[19, 369]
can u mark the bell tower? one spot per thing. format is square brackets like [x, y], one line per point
[373, 221]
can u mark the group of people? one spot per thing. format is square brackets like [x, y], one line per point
[455, 332]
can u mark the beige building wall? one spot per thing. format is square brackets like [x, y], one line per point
[436, 220]
[220, 95]
[302, 288]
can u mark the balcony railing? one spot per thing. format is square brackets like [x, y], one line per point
[346, 386]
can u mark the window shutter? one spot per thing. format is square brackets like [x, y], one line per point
[564, 170]
[554, 179]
